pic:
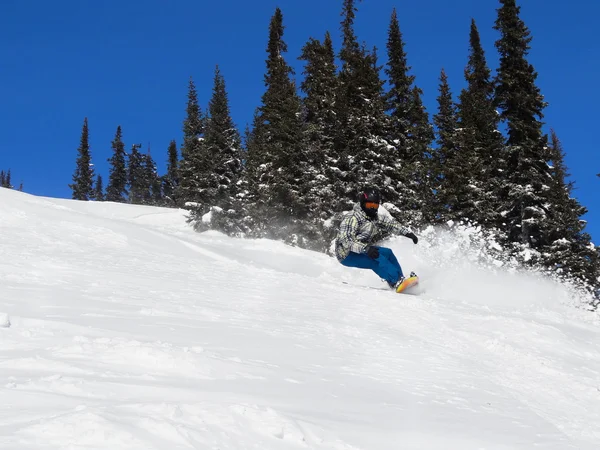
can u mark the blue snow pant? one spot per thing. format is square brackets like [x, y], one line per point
[386, 266]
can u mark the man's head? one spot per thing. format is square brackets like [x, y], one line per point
[369, 200]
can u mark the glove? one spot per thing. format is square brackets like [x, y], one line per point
[373, 252]
[412, 236]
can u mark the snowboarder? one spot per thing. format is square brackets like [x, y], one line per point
[364, 227]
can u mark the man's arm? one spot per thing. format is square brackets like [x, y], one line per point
[348, 235]
[392, 226]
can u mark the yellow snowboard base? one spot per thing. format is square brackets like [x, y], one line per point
[408, 283]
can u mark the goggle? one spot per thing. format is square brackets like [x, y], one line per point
[371, 205]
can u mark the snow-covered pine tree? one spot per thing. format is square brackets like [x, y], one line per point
[220, 187]
[321, 126]
[255, 163]
[192, 167]
[116, 191]
[276, 149]
[481, 142]
[399, 97]
[223, 143]
[449, 177]
[244, 182]
[367, 158]
[83, 177]
[421, 208]
[525, 187]
[568, 249]
[409, 131]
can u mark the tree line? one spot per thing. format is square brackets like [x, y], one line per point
[6, 180]
[133, 177]
[313, 146]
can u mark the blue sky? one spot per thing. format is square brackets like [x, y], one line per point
[128, 62]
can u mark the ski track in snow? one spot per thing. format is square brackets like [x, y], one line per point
[124, 329]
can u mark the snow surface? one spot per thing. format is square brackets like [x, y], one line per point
[124, 329]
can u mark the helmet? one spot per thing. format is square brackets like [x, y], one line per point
[369, 199]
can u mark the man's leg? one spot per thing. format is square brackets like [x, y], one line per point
[389, 255]
[359, 261]
[382, 266]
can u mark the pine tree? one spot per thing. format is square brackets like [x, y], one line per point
[5, 179]
[521, 105]
[409, 131]
[98, 189]
[83, 177]
[416, 173]
[246, 178]
[136, 176]
[320, 85]
[399, 98]
[255, 164]
[275, 150]
[193, 157]
[480, 140]
[150, 184]
[220, 187]
[366, 156]
[171, 178]
[116, 191]
[569, 249]
[223, 143]
[450, 182]
[321, 127]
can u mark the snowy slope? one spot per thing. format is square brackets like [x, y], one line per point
[124, 329]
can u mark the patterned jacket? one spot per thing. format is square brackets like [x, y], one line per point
[357, 231]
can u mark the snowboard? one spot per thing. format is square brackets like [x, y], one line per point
[406, 287]
[408, 284]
